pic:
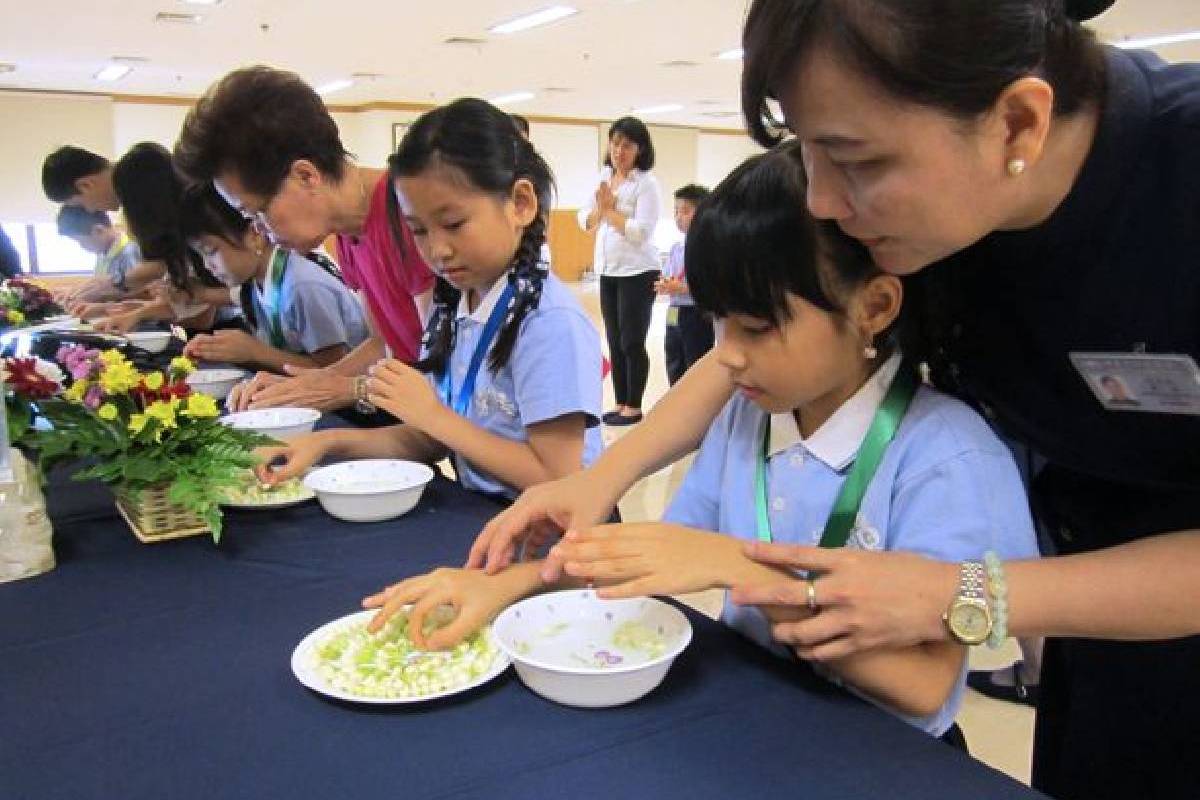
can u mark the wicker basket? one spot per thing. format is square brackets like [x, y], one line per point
[154, 518]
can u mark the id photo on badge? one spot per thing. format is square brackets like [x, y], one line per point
[1145, 382]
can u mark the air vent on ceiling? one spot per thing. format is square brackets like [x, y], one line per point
[172, 18]
[130, 59]
[720, 114]
[465, 40]
[8, 68]
[557, 90]
[366, 76]
[680, 64]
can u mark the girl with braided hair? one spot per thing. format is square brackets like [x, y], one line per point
[508, 383]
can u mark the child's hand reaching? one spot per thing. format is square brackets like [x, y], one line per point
[404, 393]
[651, 558]
[475, 596]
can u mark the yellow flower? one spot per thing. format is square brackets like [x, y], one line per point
[118, 378]
[76, 392]
[137, 422]
[154, 381]
[200, 406]
[112, 358]
[164, 412]
[182, 365]
[15, 317]
[107, 412]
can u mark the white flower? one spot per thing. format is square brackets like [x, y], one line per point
[48, 370]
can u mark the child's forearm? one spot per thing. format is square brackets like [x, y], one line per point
[913, 680]
[511, 462]
[397, 441]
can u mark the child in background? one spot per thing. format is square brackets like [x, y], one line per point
[511, 385]
[296, 306]
[689, 332]
[115, 253]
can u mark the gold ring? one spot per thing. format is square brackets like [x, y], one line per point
[811, 595]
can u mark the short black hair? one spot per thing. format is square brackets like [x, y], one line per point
[521, 123]
[204, 212]
[76, 221]
[257, 122]
[635, 131]
[957, 57]
[692, 193]
[66, 165]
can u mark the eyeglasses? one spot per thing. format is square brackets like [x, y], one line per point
[258, 219]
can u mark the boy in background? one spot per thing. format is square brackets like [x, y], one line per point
[689, 331]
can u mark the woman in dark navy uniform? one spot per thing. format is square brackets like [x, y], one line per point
[1046, 189]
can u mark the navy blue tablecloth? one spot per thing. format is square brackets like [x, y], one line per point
[162, 671]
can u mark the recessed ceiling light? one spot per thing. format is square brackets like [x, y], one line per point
[467, 41]
[731, 55]
[1158, 41]
[113, 72]
[512, 97]
[663, 109]
[334, 86]
[543, 17]
[680, 63]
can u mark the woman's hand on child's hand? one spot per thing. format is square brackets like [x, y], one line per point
[867, 599]
[475, 597]
[404, 392]
[284, 462]
[232, 346]
[648, 558]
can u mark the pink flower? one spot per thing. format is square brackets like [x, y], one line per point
[93, 398]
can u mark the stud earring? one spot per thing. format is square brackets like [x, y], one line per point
[869, 352]
[1016, 167]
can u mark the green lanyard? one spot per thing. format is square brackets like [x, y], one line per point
[870, 453]
[271, 291]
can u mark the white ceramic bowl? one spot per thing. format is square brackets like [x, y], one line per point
[215, 383]
[565, 645]
[150, 341]
[369, 490]
[278, 423]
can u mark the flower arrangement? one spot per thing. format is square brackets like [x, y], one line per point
[144, 430]
[22, 302]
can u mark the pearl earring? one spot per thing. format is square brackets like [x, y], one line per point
[869, 352]
[1016, 167]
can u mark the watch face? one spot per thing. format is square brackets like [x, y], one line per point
[970, 622]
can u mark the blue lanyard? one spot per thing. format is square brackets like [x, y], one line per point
[467, 390]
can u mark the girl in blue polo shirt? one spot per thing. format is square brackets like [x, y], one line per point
[810, 331]
[508, 384]
[298, 310]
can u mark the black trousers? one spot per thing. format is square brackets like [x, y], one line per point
[687, 340]
[626, 304]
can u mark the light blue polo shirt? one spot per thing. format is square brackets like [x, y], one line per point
[316, 310]
[947, 488]
[554, 370]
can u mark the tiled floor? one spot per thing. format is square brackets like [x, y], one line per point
[1000, 734]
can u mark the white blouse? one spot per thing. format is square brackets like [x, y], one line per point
[632, 251]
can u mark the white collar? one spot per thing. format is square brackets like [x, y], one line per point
[837, 441]
[486, 304]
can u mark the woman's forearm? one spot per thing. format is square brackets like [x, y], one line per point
[1145, 590]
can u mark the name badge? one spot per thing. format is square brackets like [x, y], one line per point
[1147, 382]
[672, 315]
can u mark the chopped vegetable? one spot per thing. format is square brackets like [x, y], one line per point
[251, 492]
[638, 637]
[388, 664]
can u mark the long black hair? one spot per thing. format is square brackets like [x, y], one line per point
[481, 143]
[954, 56]
[753, 242]
[204, 212]
[151, 190]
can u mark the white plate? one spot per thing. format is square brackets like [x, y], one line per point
[304, 667]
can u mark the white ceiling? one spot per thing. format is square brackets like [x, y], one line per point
[610, 56]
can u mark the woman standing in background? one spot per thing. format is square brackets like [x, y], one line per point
[624, 214]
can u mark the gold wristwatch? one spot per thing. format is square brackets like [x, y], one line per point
[969, 618]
